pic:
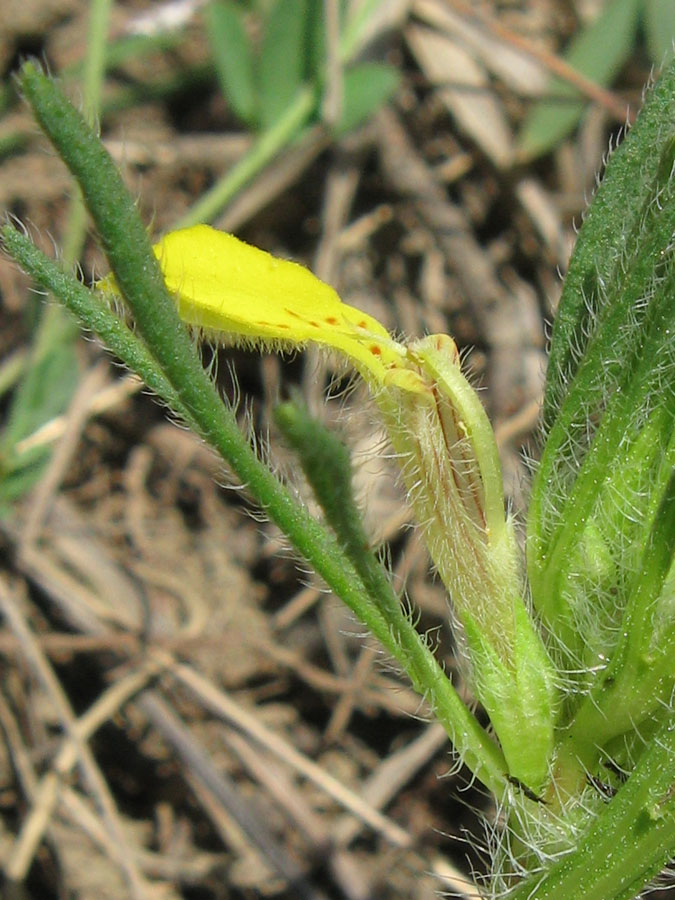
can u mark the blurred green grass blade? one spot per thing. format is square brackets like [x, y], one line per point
[137, 45]
[357, 19]
[11, 369]
[282, 67]
[315, 42]
[659, 25]
[44, 392]
[117, 52]
[186, 80]
[366, 87]
[269, 144]
[48, 381]
[598, 52]
[52, 372]
[232, 57]
[18, 478]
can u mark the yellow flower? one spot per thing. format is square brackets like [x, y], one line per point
[443, 440]
[434, 418]
[240, 292]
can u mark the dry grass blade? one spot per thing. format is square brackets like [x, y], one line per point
[45, 795]
[554, 64]
[514, 66]
[226, 793]
[222, 705]
[93, 778]
[504, 315]
[464, 87]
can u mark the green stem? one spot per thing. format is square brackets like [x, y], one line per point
[140, 280]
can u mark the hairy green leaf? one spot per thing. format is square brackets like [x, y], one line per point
[610, 395]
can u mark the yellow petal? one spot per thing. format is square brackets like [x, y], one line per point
[225, 285]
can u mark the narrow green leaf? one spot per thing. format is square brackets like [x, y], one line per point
[50, 379]
[598, 52]
[232, 56]
[634, 692]
[44, 393]
[659, 23]
[367, 87]
[282, 66]
[627, 187]
[610, 388]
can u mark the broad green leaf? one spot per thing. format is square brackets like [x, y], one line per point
[367, 87]
[598, 52]
[232, 56]
[659, 23]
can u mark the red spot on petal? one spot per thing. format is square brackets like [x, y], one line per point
[375, 350]
[331, 320]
